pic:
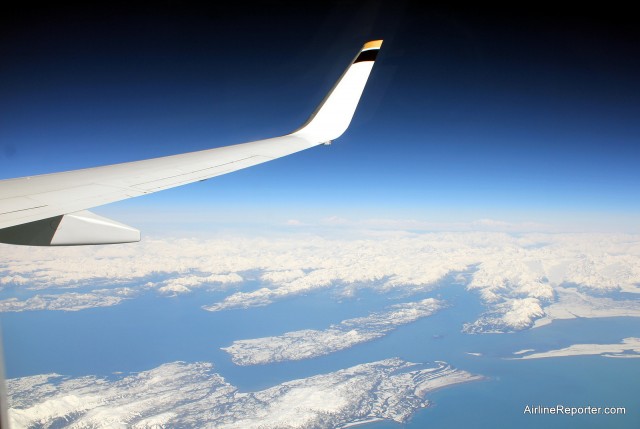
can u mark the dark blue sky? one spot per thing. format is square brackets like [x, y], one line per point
[518, 115]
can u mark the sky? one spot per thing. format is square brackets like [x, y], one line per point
[472, 117]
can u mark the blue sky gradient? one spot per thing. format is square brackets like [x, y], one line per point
[469, 114]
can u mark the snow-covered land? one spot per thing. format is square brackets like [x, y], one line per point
[629, 347]
[192, 396]
[571, 303]
[520, 278]
[310, 343]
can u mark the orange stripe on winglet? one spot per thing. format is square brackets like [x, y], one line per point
[372, 44]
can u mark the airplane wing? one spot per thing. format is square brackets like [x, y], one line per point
[51, 209]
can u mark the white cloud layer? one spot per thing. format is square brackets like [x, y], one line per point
[192, 396]
[310, 343]
[520, 278]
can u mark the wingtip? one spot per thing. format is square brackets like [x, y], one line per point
[373, 44]
[369, 51]
[333, 116]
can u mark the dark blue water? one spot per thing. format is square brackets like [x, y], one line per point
[150, 330]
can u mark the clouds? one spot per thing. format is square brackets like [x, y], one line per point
[183, 394]
[518, 277]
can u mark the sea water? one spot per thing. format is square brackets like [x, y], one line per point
[149, 330]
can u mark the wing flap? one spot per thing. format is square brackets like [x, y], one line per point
[80, 228]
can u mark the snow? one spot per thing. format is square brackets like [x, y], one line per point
[521, 279]
[305, 344]
[629, 347]
[390, 389]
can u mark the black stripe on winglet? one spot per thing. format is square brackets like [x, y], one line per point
[368, 55]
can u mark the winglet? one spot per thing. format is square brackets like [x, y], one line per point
[333, 116]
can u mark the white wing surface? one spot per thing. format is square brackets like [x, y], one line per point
[51, 209]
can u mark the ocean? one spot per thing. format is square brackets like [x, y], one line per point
[151, 330]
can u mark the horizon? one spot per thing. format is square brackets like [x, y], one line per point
[467, 119]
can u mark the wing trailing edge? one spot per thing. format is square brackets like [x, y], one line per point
[73, 229]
